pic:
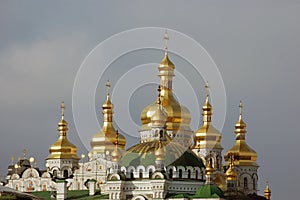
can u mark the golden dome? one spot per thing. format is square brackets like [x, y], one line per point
[166, 63]
[245, 154]
[116, 154]
[267, 191]
[106, 138]
[207, 136]
[230, 173]
[62, 148]
[179, 116]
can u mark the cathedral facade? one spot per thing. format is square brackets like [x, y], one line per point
[170, 161]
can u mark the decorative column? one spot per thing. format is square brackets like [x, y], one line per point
[61, 190]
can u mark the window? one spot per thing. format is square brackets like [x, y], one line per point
[171, 173]
[196, 174]
[141, 173]
[66, 173]
[131, 174]
[254, 184]
[180, 173]
[245, 183]
[150, 173]
[55, 173]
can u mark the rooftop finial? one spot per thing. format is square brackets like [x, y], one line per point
[24, 153]
[12, 158]
[108, 88]
[62, 110]
[166, 38]
[159, 95]
[207, 89]
[241, 108]
[117, 137]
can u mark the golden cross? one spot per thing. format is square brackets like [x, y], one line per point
[12, 158]
[108, 87]
[207, 89]
[166, 38]
[241, 107]
[62, 109]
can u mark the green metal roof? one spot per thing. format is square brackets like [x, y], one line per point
[209, 191]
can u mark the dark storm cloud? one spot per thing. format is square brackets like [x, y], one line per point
[255, 45]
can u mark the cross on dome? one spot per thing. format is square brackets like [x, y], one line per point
[241, 108]
[108, 87]
[207, 89]
[62, 109]
[166, 38]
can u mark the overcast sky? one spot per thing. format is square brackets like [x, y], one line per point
[255, 45]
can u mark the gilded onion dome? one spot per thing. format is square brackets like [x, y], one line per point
[230, 172]
[178, 116]
[106, 138]
[243, 153]
[116, 154]
[207, 136]
[62, 148]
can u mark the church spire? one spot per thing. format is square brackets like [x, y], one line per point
[240, 126]
[107, 106]
[166, 67]
[105, 140]
[62, 124]
[62, 148]
[207, 108]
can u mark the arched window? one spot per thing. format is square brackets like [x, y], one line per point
[218, 161]
[245, 183]
[131, 174]
[254, 184]
[161, 133]
[171, 173]
[189, 174]
[202, 175]
[141, 173]
[55, 173]
[150, 173]
[66, 173]
[180, 173]
[196, 174]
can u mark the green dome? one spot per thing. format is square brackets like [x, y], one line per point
[209, 191]
[176, 155]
